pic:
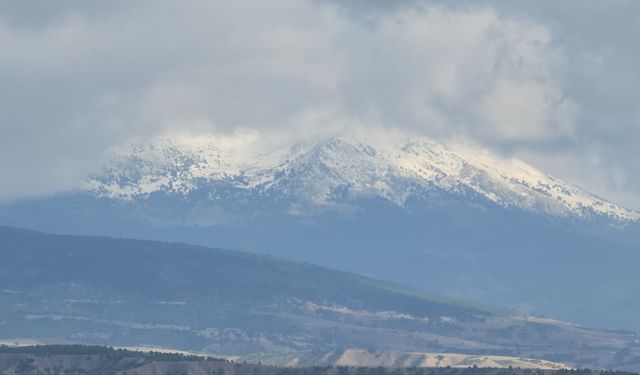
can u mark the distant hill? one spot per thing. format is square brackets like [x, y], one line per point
[106, 291]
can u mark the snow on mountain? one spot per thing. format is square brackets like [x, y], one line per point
[393, 167]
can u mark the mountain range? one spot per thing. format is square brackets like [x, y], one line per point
[461, 222]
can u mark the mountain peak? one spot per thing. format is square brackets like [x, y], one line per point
[394, 168]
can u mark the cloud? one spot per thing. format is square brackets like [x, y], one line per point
[82, 77]
[470, 73]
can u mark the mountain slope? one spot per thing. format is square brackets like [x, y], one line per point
[127, 292]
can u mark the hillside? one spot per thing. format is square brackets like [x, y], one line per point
[130, 293]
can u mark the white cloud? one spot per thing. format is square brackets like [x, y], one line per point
[88, 77]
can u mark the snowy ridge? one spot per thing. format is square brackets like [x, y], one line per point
[394, 168]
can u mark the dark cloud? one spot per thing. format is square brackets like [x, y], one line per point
[551, 82]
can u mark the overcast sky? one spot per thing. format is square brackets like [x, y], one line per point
[551, 82]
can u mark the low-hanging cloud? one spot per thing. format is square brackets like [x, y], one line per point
[83, 77]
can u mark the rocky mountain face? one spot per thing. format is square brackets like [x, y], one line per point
[106, 291]
[408, 210]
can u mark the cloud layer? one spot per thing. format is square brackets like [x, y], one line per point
[82, 77]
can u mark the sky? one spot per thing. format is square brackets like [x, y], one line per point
[553, 83]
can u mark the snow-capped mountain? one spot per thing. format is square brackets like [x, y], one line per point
[396, 169]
